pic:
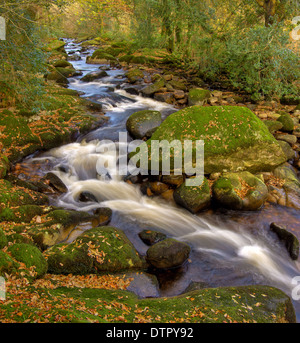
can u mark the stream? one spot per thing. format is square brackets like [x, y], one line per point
[229, 248]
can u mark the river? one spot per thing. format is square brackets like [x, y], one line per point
[229, 248]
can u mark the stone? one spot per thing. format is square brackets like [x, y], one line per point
[55, 182]
[235, 139]
[134, 75]
[153, 88]
[98, 250]
[240, 191]
[143, 123]
[194, 199]
[168, 253]
[290, 240]
[286, 148]
[198, 96]
[94, 75]
[151, 237]
[287, 122]
[273, 125]
[290, 139]
[167, 97]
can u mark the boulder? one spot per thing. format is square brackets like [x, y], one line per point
[234, 138]
[94, 75]
[198, 96]
[143, 123]
[153, 88]
[102, 249]
[134, 75]
[287, 149]
[151, 237]
[31, 256]
[290, 240]
[273, 125]
[240, 191]
[168, 253]
[54, 181]
[287, 122]
[193, 199]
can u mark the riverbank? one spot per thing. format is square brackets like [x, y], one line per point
[45, 228]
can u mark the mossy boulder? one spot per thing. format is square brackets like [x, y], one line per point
[143, 123]
[58, 77]
[31, 256]
[134, 75]
[62, 64]
[287, 122]
[100, 57]
[102, 249]
[55, 45]
[168, 253]
[287, 149]
[240, 191]
[193, 198]
[234, 138]
[198, 96]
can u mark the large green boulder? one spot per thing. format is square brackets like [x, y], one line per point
[240, 191]
[234, 138]
[143, 123]
[102, 249]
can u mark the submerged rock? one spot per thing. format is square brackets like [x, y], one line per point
[151, 237]
[290, 240]
[168, 253]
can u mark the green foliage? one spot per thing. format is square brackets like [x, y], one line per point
[260, 62]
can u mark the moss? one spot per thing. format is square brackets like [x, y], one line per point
[198, 96]
[62, 64]
[7, 264]
[3, 239]
[287, 122]
[143, 123]
[193, 199]
[55, 44]
[155, 87]
[21, 214]
[68, 217]
[134, 75]
[273, 125]
[30, 256]
[103, 249]
[235, 139]
[240, 191]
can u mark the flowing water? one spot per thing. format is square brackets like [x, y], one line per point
[228, 248]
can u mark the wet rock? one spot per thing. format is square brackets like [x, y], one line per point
[144, 285]
[55, 182]
[102, 216]
[131, 90]
[168, 253]
[240, 191]
[94, 76]
[194, 199]
[87, 197]
[155, 87]
[134, 75]
[174, 180]
[290, 240]
[143, 123]
[167, 97]
[151, 237]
